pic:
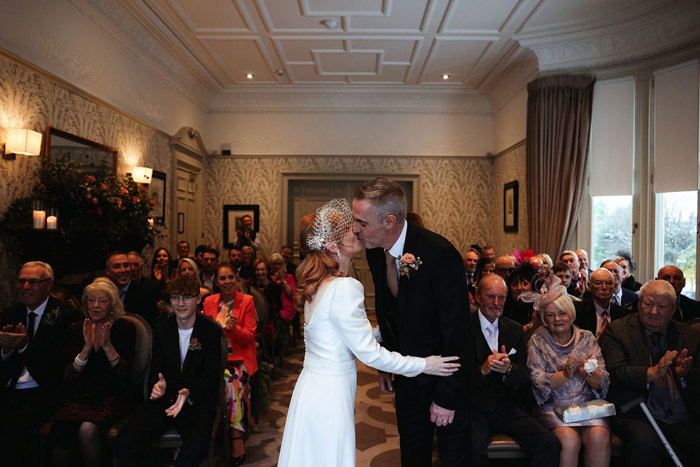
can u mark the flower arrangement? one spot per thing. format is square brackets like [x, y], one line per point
[408, 265]
[98, 212]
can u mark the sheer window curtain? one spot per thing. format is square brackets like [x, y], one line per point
[558, 131]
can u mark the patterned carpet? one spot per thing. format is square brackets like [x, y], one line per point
[376, 434]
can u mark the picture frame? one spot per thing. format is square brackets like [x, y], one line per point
[510, 206]
[158, 193]
[233, 213]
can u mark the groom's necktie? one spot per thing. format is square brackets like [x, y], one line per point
[391, 274]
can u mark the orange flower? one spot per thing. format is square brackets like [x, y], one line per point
[153, 202]
[123, 191]
[94, 200]
[91, 178]
[135, 199]
[118, 202]
[103, 187]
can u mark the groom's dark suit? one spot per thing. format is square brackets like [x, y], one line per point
[200, 373]
[430, 316]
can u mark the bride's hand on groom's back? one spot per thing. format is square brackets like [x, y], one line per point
[441, 366]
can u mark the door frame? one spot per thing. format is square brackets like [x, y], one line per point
[188, 153]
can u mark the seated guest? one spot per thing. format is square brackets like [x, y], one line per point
[504, 266]
[96, 390]
[596, 312]
[183, 251]
[579, 275]
[247, 256]
[135, 299]
[546, 264]
[160, 267]
[652, 357]
[279, 274]
[471, 258]
[246, 236]
[583, 260]
[31, 369]
[620, 296]
[627, 267]
[207, 274]
[515, 309]
[271, 291]
[484, 267]
[187, 267]
[234, 258]
[235, 312]
[557, 352]
[198, 252]
[488, 252]
[185, 378]
[286, 252]
[150, 286]
[686, 308]
[500, 359]
[563, 272]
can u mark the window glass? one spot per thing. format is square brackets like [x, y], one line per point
[611, 228]
[676, 235]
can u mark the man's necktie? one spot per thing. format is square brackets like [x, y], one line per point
[606, 320]
[657, 347]
[391, 275]
[31, 318]
[615, 300]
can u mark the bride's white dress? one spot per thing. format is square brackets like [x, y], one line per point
[320, 427]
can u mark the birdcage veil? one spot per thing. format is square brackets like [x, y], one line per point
[332, 222]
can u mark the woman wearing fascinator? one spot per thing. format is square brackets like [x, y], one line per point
[320, 426]
[566, 366]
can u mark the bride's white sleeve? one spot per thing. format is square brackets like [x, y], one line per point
[348, 316]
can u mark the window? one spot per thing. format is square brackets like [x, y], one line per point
[677, 220]
[611, 227]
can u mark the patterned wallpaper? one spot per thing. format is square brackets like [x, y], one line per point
[508, 166]
[30, 100]
[455, 192]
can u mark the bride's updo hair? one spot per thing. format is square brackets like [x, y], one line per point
[318, 263]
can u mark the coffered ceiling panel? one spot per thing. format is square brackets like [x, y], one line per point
[219, 15]
[405, 43]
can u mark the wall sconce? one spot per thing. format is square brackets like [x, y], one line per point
[20, 141]
[142, 174]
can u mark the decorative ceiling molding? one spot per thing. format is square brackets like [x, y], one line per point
[510, 77]
[657, 32]
[373, 99]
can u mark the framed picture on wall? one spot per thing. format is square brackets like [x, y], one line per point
[510, 206]
[157, 190]
[233, 220]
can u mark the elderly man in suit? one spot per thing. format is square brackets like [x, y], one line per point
[32, 367]
[620, 296]
[503, 381]
[136, 298]
[597, 311]
[185, 377]
[686, 308]
[653, 357]
[422, 309]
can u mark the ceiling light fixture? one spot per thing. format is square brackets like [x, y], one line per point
[446, 76]
[249, 75]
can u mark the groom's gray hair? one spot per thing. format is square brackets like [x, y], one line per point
[386, 197]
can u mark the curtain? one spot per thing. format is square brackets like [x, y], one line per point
[558, 131]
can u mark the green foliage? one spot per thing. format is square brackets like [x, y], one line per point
[104, 211]
[612, 231]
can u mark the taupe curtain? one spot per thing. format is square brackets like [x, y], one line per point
[558, 129]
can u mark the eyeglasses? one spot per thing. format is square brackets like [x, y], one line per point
[602, 283]
[32, 282]
[181, 298]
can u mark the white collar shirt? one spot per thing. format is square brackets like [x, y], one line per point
[397, 250]
[489, 330]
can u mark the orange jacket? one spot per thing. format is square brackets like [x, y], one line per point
[242, 336]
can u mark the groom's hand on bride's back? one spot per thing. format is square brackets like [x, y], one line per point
[386, 383]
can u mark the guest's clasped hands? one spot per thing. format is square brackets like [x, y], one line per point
[497, 361]
[13, 337]
[680, 362]
[158, 391]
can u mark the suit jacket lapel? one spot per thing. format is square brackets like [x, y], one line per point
[190, 353]
[408, 246]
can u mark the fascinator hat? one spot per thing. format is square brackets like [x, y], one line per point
[549, 291]
[332, 222]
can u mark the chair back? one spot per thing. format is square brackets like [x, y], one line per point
[142, 354]
[261, 306]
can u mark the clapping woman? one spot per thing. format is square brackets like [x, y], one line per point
[235, 312]
[96, 385]
[566, 366]
[160, 267]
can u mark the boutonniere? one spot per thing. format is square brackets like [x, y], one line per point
[194, 344]
[408, 265]
[52, 318]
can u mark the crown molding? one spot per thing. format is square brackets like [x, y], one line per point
[375, 99]
[510, 76]
[656, 32]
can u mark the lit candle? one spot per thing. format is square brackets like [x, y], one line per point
[39, 218]
[51, 223]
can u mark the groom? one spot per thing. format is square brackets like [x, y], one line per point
[422, 311]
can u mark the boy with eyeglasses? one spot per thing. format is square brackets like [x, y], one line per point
[185, 379]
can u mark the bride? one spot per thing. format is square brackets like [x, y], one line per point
[320, 427]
